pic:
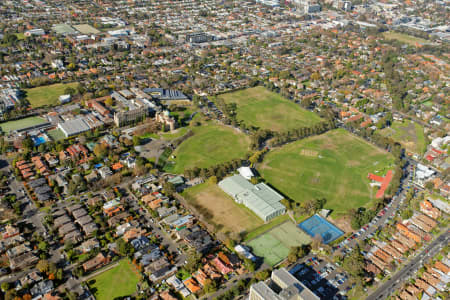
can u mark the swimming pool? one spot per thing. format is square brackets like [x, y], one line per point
[316, 225]
[37, 140]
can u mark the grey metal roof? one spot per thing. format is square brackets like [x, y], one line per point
[73, 127]
[260, 198]
[235, 185]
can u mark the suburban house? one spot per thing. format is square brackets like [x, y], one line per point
[95, 263]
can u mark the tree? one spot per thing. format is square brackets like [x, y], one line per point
[292, 256]
[11, 294]
[136, 140]
[43, 265]
[5, 286]
[43, 246]
[213, 179]
[209, 286]
[69, 91]
[193, 261]
[124, 248]
[303, 250]
[59, 274]
[315, 76]
[78, 271]
[10, 38]
[406, 214]
[169, 189]
[319, 203]
[109, 101]
[249, 265]
[354, 263]
[27, 143]
[262, 275]
[100, 150]
[286, 203]
[296, 253]
[429, 185]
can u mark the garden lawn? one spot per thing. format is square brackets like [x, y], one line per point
[20, 124]
[265, 109]
[47, 95]
[210, 145]
[333, 165]
[409, 134]
[220, 209]
[119, 281]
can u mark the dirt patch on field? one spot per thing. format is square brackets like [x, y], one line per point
[222, 211]
[410, 145]
[316, 178]
[353, 163]
[309, 152]
[343, 223]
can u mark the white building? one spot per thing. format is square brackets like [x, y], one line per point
[65, 99]
[423, 174]
[439, 142]
[37, 31]
[245, 252]
[246, 172]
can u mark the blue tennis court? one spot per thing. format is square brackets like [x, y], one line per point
[317, 225]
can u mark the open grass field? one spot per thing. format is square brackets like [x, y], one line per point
[265, 109]
[47, 95]
[335, 166]
[274, 244]
[21, 36]
[409, 134]
[221, 209]
[211, 144]
[405, 38]
[119, 281]
[20, 124]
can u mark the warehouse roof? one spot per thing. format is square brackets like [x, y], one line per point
[260, 198]
[73, 127]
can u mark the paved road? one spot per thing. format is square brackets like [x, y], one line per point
[410, 269]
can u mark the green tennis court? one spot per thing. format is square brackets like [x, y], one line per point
[273, 246]
[21, 123]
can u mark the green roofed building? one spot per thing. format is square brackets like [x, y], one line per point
[176, 181]
[260, 198]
